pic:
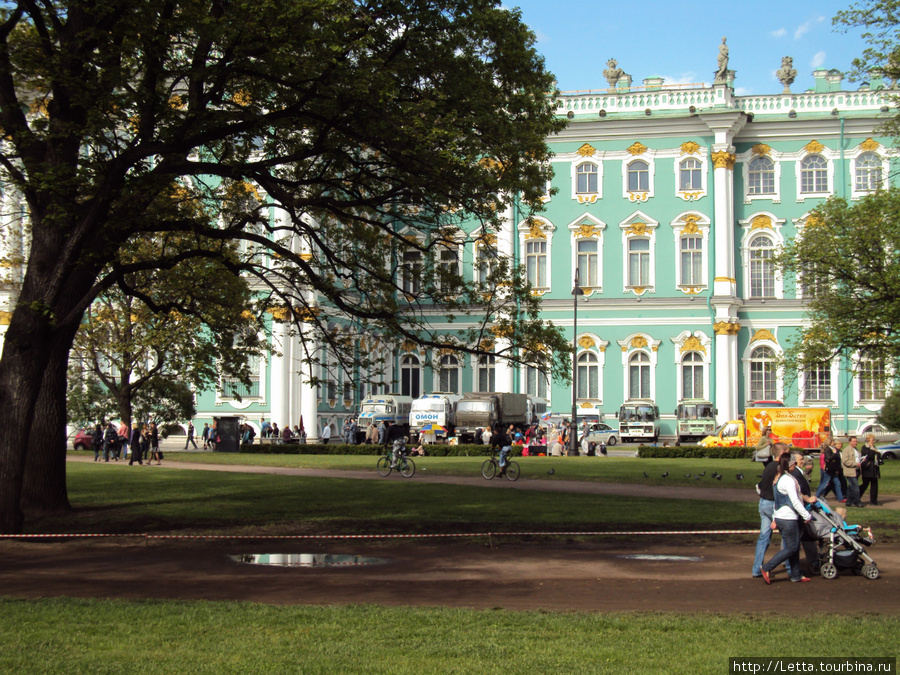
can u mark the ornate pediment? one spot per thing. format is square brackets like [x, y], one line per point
[637, 148]
[763, 334]
[814, 147]
[690, 148]
[761, 223]
[586, 150]
[869, 144]
[761, 150]
[692, 344]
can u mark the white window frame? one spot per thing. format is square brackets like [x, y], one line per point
[639, 195]
[829, 177]
[746, 159]
[833, 374]
[583, 228]
[855, 192]
[586, 197]
[628, 234]
[651, 349]
[694, 194]
[779, 374]
[678, 230]
[547, 229]
[705, 355]
[750, 233]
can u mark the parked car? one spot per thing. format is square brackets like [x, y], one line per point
[82, 441]
[889, 451]
[880, 432]
[600, 432]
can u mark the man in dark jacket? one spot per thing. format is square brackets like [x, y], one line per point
[110, 443]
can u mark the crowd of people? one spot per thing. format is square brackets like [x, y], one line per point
[137, 443]
[785, 494]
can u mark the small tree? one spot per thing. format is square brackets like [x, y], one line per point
[845, 262]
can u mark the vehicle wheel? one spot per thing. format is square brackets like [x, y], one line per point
[828, 571]
[889, 455]
[512, 471]
[407, 467]
[384, 466]
[80, 446]
[870, 571]
[612, 441]
[488, 469]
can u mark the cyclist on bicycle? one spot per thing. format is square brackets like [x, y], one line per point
[502, 440]
[398, 449]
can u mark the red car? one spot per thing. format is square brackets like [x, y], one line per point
[83, 441]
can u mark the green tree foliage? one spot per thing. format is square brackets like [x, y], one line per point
[164, 400]
[846, 266]
[889, 415]
[192, 323]
[319, 141]
[87, 401]
[880, 24]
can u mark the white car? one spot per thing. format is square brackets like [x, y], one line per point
[600, 432]
[889, 451]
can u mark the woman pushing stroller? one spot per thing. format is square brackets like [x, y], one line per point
[788, 514]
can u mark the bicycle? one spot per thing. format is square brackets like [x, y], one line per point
[491, 468]
[405, 465]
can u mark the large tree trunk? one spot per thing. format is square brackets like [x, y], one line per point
[25, 357]
[44, 488]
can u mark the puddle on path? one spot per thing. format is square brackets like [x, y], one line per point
[305, 559]
[662, 558]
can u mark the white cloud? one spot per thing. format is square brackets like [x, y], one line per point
[818, 60]
[689, 77]
[780, 33]
[801, 30]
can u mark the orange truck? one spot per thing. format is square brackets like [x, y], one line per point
[799, 427]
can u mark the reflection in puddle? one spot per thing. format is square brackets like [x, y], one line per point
[305, 559]
[664, 558]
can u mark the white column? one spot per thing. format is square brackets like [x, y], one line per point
[304, 393]
[280, 374]
[503, 370]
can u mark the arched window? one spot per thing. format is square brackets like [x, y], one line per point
[535, 382]
[761, 176]
[588, 376]
[763, 384]
[814, 174]
[638, 176]
[586, 178]
[689, 176]
[692, 375]
[762, 271]
[449, 374]
[588, 263]
[639, 376]
[410, 376]
[487, 379]
[868, 172]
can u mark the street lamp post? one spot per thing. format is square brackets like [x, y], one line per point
[573, 430]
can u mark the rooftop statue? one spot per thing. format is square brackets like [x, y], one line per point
[787, 73]
[722, 63]
[613, 73]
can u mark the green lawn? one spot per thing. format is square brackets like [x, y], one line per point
[78, 636]
[150, 500]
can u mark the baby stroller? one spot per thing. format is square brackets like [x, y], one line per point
[841, 546]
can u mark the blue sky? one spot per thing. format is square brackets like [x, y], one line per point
[679, 40]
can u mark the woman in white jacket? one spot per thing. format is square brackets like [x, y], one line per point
[788, 514]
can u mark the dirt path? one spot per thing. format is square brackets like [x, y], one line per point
[630, 573]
